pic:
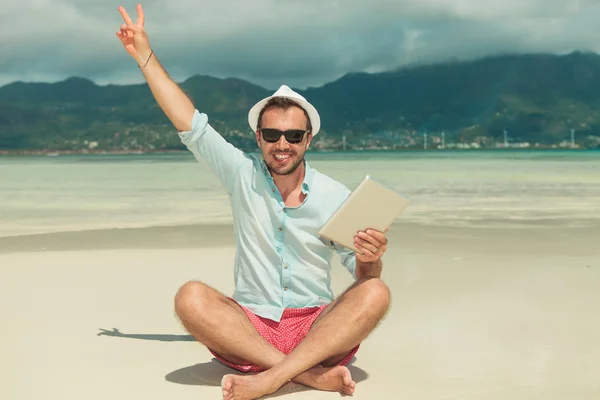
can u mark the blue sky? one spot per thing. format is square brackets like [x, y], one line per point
[271, 42]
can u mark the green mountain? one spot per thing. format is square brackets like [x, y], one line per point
[536, 99]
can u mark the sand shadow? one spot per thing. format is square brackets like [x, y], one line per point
[211, 373]
[156, 337]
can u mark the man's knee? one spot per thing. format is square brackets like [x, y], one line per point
[376, 294]
[192, 296]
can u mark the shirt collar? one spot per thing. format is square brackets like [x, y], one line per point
[308, 178]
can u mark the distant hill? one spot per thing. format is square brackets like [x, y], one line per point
[535, 98]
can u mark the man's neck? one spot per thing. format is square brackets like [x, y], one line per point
[288, 183]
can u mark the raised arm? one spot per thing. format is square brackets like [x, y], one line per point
[171, 99]
[195, 132]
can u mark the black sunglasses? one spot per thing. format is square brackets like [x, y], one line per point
[293, 136]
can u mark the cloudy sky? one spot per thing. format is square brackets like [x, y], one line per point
[271, 42]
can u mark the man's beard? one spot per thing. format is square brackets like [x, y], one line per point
[287, 169]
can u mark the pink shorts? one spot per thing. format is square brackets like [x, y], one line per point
[284, 335]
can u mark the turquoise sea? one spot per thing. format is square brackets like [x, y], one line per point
[479, 189]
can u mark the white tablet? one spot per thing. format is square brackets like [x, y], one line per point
[371, 205]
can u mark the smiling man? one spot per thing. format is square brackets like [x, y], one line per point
[282, 319]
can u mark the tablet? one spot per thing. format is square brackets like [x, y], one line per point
[370, 205]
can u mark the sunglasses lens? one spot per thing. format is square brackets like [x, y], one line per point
[294, 136]
[271, 135]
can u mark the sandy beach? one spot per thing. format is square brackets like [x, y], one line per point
[476, 314]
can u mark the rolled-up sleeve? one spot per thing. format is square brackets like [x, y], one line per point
[208, 145]
[347, 258]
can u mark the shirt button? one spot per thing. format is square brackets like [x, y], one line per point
[280, 229]
[273, 189]
[285, 288]
[285, 210]
[285, 266]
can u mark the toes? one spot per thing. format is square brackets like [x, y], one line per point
[347, 378]
[349, 389]
[226, 385]
[348, 384]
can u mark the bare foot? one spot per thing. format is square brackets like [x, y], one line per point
[245, 387]
[333, 379]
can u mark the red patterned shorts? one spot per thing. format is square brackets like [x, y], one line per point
[284, 335]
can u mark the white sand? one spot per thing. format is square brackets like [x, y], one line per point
[463, 325]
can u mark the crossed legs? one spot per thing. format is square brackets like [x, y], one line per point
[221, 325]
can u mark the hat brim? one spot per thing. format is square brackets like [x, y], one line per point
[313, 115]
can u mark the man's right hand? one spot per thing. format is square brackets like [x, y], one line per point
[171, 99]
[133, 36]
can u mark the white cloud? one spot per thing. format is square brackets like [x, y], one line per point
[270, 42]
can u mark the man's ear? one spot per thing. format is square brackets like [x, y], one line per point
[257, 135]
[308, 140]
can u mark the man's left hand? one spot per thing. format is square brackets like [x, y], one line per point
[371, 243]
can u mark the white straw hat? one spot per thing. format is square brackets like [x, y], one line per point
[285, 91]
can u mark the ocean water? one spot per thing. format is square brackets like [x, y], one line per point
[482, 189]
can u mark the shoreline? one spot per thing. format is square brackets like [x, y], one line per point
[51, 153]
[403, 236]
[56, 153]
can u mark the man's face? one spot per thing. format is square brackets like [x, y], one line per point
[282, 157]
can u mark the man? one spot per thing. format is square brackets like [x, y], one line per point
[282, 320]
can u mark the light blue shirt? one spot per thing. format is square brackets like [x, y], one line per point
[280, 259]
